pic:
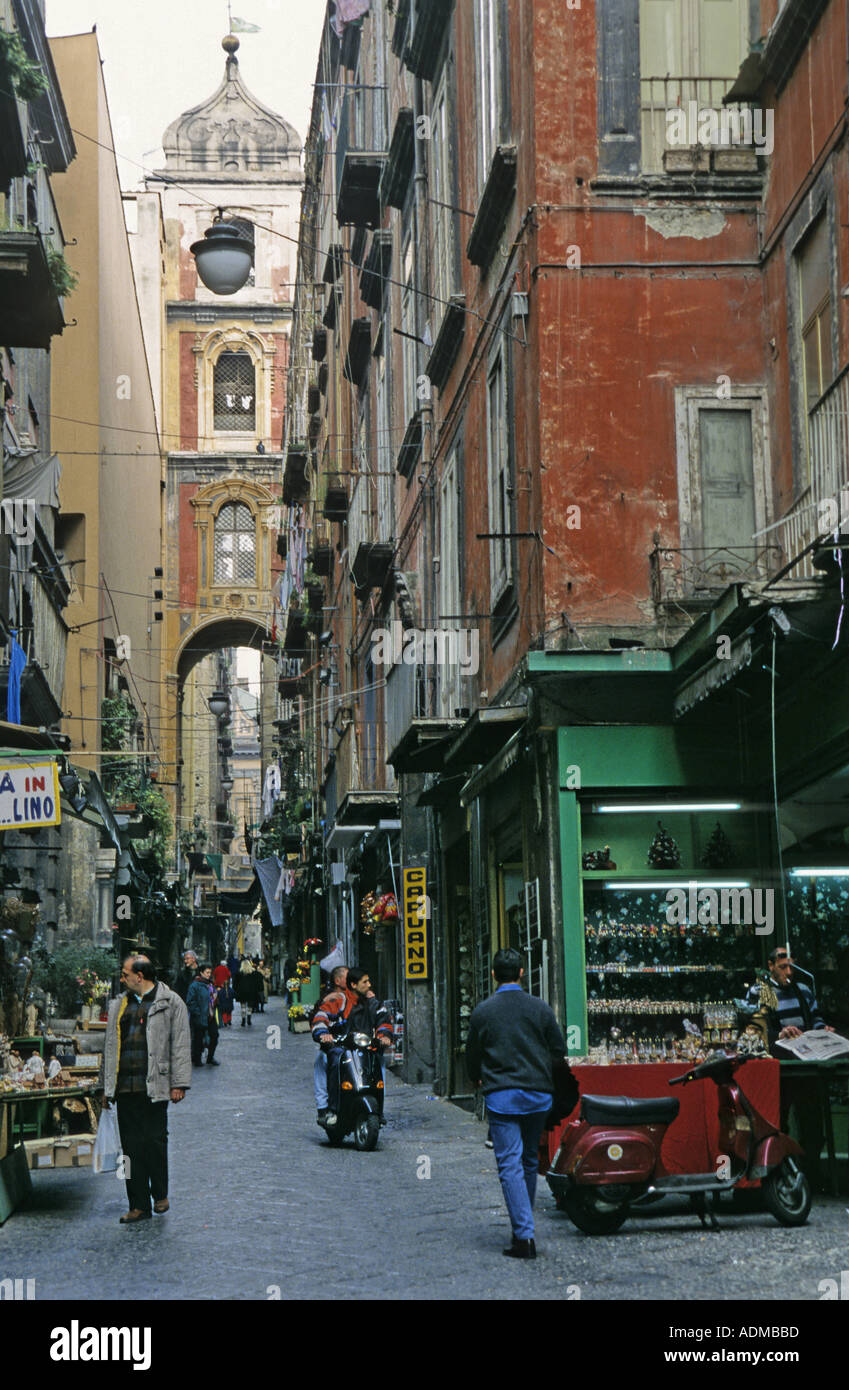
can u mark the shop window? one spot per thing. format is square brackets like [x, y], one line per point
[235, 545]
[816, 310]
[234, 393]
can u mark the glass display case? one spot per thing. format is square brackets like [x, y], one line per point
[672, 901]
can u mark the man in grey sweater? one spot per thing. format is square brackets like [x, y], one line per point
[512, 1045]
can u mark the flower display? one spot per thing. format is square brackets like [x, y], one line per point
[294, 984]
[91, 985]
[297, 1011]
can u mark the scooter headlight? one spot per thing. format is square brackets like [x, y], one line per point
[362, 1040]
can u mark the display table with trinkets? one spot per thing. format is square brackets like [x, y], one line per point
[57, 1106]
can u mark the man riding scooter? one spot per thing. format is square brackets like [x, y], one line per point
[328, 1021]
[363, 1014]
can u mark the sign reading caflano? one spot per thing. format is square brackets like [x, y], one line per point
[29, 796]
[415, 924]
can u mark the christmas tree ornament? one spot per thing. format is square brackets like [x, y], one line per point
[719, 852]
[663, 850]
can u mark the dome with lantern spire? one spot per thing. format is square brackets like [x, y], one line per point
[231, 136]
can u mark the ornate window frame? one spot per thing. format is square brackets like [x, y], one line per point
[207, 350]
[229, 595]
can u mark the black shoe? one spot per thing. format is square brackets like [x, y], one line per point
[249, 1022]
[212, 1062]
[243, 1023]
[197, 1064]
[521, 1250]
[321, 1116]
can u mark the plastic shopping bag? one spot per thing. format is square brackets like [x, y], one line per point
[336, 957]
[107, 1144]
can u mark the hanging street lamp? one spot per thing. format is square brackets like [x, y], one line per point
[225, 254]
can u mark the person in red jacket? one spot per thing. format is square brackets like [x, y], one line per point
[222, 979]
[332, 1023]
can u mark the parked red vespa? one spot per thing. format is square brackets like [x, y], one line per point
[609, 1161]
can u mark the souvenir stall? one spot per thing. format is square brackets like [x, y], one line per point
[672, 929]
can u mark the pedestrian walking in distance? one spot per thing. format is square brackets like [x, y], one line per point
[201, 1002]
[147, 1062]
[511, 1049]
[247, 989]
[187, 974]
[223, 982]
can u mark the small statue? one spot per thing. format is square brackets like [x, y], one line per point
[31, 1020]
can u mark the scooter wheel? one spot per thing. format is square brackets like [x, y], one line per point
[787, 1193]
[590, 1214]
[366, 1132]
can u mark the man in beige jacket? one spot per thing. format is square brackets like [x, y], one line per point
[147, 1062]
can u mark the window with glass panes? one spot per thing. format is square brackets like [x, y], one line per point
[408, 330]
[444, 217]
[488, 80]
[235, 545]
[816, 310]
[690, 50]
[234, 392]
[499, 479]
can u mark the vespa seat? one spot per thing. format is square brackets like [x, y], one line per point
[626, 1110]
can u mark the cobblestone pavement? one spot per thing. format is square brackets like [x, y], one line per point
[261, 1204]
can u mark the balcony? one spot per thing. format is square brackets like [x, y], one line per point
[694, 577]
[333, 264]
[361, 157]
[13, 150]
[376, 270]
[319, 344]
[45, 646]
[30, 307]
[828, 435]
[295, 482]
[321, 551]
[498, 194]
[689, 98]
[372, 564]
[411, 446]
[448, 340]
[335, 501]
[398, 172]
[428, 37]
[358, 355]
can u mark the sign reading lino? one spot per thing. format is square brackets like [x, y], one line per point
[29, 796]
[415, 924]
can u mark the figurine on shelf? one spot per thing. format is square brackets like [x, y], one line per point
[719, 853]
[597, 859]
[663, 851]
[31, 1020]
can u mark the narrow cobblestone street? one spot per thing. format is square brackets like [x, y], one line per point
[260, 1203]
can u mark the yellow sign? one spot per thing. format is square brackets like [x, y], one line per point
[416, 913]
[29, 796]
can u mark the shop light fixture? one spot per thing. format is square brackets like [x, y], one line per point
[668, 807]
[819, 873]
[683, 883]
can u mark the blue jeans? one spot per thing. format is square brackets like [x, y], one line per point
[319, 1080]
[515, 1142]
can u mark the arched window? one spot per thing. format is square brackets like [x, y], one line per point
[234, 392]
[235, 545]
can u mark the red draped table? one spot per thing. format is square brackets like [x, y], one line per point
[691, 1144]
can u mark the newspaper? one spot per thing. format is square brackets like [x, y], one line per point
[816, 1045]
